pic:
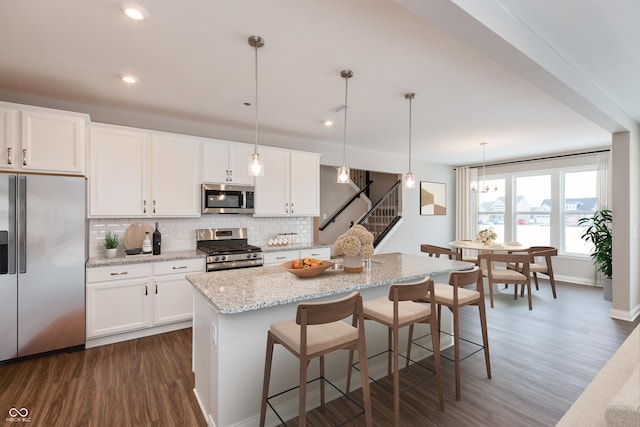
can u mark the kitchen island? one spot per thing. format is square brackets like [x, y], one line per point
[233, 310]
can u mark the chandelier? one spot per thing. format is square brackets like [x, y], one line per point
[484, 188]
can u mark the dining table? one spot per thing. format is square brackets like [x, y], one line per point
[494, 247]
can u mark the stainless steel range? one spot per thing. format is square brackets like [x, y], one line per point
[227, 248]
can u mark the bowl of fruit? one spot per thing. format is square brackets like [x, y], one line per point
[306, 267]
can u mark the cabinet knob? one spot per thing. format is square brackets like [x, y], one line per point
[9, 155]
[179, 267]
[144, 206]
[154, 206]
[24, 157]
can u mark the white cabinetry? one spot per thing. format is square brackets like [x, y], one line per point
[290, 185]
[173, 294]
[226, 162]
[42, 140]
[118, 299]
[278, 257]
[175, 175]
[139, 297]
[138, 173]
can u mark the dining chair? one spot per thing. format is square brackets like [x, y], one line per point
[495, 274]
[541, 263]
[455, 295]
[317, 330]
[461, 257]
[438, 251]
[396, 311]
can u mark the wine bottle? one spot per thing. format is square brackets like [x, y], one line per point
[157, 238]
[146, 244]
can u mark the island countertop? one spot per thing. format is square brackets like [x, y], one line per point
[237, 291]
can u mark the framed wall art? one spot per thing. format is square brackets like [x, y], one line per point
[433, 198]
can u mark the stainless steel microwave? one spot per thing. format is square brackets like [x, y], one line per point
[227, 199]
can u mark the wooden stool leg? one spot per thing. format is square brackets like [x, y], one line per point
[322, 395]
[396, 379]
[529, 290]
[350, 370]
[364, 378]
[535, 278]
[302, 403]
[553, 285]
[267, 377]
[456, 350]
[435, 340]
[409, 342]
[485, 336]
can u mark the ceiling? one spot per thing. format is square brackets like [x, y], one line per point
[529, 78]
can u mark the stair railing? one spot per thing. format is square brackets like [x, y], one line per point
[342, 209]
[383, 215]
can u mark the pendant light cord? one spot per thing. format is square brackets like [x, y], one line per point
[344, 135]
[255, 149]
[410, 115]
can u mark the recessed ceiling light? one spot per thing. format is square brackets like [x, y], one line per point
[328, 123]
[135, 11]
[128, 78]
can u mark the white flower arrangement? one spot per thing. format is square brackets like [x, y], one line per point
[487, 236]
[357, 241]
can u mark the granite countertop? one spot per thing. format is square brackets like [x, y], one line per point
[294, 247]
[236, 291]
[138, 259]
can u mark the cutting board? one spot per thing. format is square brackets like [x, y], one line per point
[134, 234]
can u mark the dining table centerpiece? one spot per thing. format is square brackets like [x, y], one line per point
[487, 236]
[354, 245]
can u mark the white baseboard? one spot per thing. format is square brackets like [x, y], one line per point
[111, 339]
[628, 316]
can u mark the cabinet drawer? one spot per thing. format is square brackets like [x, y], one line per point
[118, 272]
[318, 253]
[272, 258]
[178, 266]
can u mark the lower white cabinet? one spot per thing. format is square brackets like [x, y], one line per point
[132, 297]
[278, 257]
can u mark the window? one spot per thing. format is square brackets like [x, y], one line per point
[533, 210]
[540, 204]
[491, 207]
[579, 202]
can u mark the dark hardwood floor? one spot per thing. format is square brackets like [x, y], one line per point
[541, 361]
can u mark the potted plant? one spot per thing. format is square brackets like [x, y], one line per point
[599, 233]
[111, 244]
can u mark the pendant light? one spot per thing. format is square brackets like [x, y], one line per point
[484, 188]
[343, 171]
[409, 181]
[256, 165]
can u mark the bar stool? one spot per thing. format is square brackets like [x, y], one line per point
[396, 311]
[453, 296]
[317, 330]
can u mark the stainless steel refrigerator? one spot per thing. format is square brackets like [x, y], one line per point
[43, 252]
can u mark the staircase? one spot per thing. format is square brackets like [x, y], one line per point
[383, 215]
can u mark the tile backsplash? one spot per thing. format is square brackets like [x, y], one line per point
[179, 234]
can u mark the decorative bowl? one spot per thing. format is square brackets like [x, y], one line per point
[306, 272]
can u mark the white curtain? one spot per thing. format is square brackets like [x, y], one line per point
[603, 192]
[466, 204]
[603, 185]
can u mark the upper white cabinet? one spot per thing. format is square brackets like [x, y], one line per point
[290, 185]
[42, 140]
[226, 162]
[139, 173]
[175, 175]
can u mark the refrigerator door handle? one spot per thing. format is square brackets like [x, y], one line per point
[11, 241]
[22, 224]
[4, 251]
